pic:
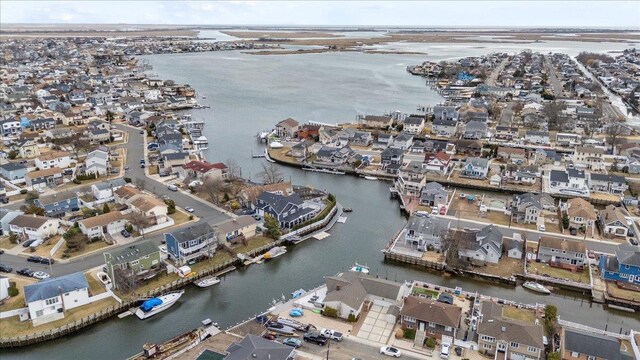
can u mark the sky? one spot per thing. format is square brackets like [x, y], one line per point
[520, 13]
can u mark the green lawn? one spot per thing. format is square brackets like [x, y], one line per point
[518, 314]
[542, 269]
[253, 243]
[421, 291]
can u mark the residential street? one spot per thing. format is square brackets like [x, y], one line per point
[553, 79]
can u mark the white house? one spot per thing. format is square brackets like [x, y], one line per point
[4, 288]
[537, 137]
[103, 191]
[483, 245]
[56, 295]
[152, 94]
[97, 162]
[568, 182]
[150, 207]
[34, 226]
[413, 125]
[613, 222]
[589, 157]
[53, 159]
[99, 226]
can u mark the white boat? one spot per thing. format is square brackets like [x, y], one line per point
[360, 268]
[274, 252]
[534, 286]
[371, 178]
[155, 305]
[204, 96]
[208, 281]
[327, 171]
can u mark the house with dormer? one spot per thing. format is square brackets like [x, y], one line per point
[195, 242]
[439, 163]
[413, 125]
[435, 318]
[476, 168]
[484, 245]
[287, 210]
[433, 194]
[613, 222]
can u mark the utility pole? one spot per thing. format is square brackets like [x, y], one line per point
[328, 346]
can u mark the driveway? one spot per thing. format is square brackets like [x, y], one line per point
[378, 325]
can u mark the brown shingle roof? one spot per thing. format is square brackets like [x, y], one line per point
[103, 220]
[53, 155]
[146, 203]
[507, 329]
[126, 192]
[576, 246]
[30, 221]
[251, 193]
[430, 310]
[581, 208]
[612, 213]
[43, 173]
[288, 122]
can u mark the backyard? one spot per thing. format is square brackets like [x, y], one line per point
[543, 269]
[505, 268]
[515, 313]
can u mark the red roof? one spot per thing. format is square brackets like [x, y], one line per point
[203, 167]
[440, 155]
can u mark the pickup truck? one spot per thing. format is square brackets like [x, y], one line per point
[331, 334]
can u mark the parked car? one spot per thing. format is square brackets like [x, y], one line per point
[4, 199]
[315, 337]
[444, 351]
[189, 209]
[40, 275]
[40, 190]
[36, 243]
[257, 217]
[172, 187]
[163, 249]
[541, 227]
[35, 259]
[458, 350]
[28, 242]
[296, 343]
[331, 334]
[125, 233]
[142, 165]
[47, 261]
[269, 336]
[141, 132]
[390, 351]
[5, 268]
[25, 272]
[126, 167]
[1, 251]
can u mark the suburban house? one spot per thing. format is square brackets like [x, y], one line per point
[287, 210]
[413, 125]
[514, 339]
[249, 194]
[97, 162]
[377, 122]
[589, 157]
[610, 184]
[391, 155]
[383, 141]
[234, 229]
[13, 171]
[423, 233]
[42, 124]
[568, 182]
[133, 263]
[58, 204]
[562, 252]
[403, 141]
[612, 222]
[521, 174]
[506, 132]
[513, 155]
[483, 245]
[537, 137]
[300, 150]
[54, 296]
[440, 163]
[444, 127]
[202, 170]
[579, 345]
[190, 244]
[526, 208]
[475, 130]
[431, 316]
[469, 147]
[582, 215]
[104, 191]
[151, 207]
[441, 112]
[53, 159]
[477, 168]
[514, 246]
[6, 215]
[104, 225]
[125, 194]
[34, 227]
[255, 347]
[567, 139]
[433, 194]
[40, 179]
[349, 291]
[411, 179]
[170, 163]
[27, 147]
[287, 128]
[98, 136]
[623, 267]
[309, 132]
[332, 156]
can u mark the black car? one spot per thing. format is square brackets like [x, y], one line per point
[35, 259]
[28, 242]
[5, 268]
[458, 350]
[1, 251]
[315, 337]
[25, 272]
[46, 261]
[125, 233]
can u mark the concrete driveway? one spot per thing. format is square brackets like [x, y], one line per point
[378, 325]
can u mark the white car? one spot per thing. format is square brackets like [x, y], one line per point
[41, 275]
[541, 227]
[444, 351]
[189, 209]
[40, 190]
[163, 249]
[390, 351]
[331, 334]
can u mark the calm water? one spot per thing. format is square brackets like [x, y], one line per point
[251, 93]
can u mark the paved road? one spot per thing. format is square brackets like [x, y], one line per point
[556, 84]
[491, 79]
[348, 349]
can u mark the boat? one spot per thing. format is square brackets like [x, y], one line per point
[155, 305]
[298, 293]
[534, 286]
[294, 324]
[347, 210]
[326, 171]
[208, 281]
[274, 252]
[371, 178]
[280, 329]
[360, 268]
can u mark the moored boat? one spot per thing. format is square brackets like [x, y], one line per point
[280, 329]
[360, 268]
[155, 305]
[534, 286]
[373, 178]
[274, 252]
[347, 210]
[207, 281]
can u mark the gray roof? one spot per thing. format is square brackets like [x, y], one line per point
[475, 126]
[414, 120]
[600, 346]
[508, 329]
[12, 166]
[253, 347]
[628, 255]
[404, 137]
[279, 202]
[608, 178]
[444, 122]
[131, 253]
[478, 162]
[574, 173]
[391, 151]
[558, 176]
[175, 156]
[351, 288]
[53, 287]
[531, 198]
[235, 224]
[193, 232]
[110, 184]
[536, 133]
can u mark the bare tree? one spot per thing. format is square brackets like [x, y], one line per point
[139, 221]
[140, 182]
[270, 174]
[77, 145]
[233, 169]
[125, 280]
[212, 188]
[551, 111]
[613, 132]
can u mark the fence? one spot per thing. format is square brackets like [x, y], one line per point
[312, 227]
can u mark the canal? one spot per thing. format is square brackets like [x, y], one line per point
[248, 94]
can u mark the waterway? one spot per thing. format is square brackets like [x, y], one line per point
[249, 93]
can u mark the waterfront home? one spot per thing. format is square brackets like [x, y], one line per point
[232, 230]
[34, 227]
[202, 171]
[255, 347]
[513, 338]
[171, 163]
[469, 147]
[433, 194]
[170, 137]
[506, 132]
[484, 245]
[332, 156]
[514, 247]
[623, 267]
[445, 113]
[567, 139]
[582, 215]
[309, 132]
[249, 194]
[190, 244]
[103, 226]
[287, 210]
[128, 266]
[537, 137]
[300, 151]
[440, 163]
[348, 292]
[97, 162]
[6, 215]
[152, 208]
[579, 344]
[475, 130]
[327, 135]
[104, 191]
[612, 222]
[526, 208]
[13, 171]
[413, 125]
[287, 128]
[403, 141]
[521, 174]
[476, 168]
[411, 179]
[377, 122]
[607, 183]
[589, 157]
[513, 155]
[568, 182]
[354, 137]
[391, 155]
[58, 204]
[435, 318]
[50, 298]
[423, 233]
[53, 159]
[444, 127]
[40, 179]
[383, 141]
[562, 252]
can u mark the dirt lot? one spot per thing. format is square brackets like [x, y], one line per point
[621, 293]
[544, 269]
[506, 267]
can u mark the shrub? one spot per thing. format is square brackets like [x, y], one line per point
[430, 343]
[330, 312]
[13, 289]
[409, 334]
[13, 238]
[105, 208]
[129, 228]
[190, 217]
[77, 181]
[31, 196]
[127, 179]
[352, 318]
[23, 191]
